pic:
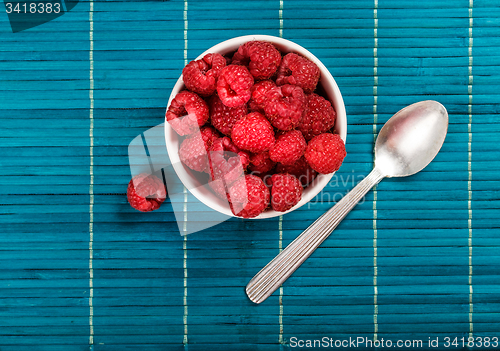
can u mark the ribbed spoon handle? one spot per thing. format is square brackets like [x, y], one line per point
[264, 283]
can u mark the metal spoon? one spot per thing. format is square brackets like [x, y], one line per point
[406, 144]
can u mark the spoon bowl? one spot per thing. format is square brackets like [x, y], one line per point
[411, 139]
[406, 144]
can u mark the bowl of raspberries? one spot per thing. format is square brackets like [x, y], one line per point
[255, 127]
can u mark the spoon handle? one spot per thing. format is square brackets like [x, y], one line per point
[264, 283]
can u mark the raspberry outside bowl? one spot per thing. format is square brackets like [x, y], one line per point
[330, 89]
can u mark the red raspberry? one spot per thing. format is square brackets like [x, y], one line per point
[261, 57]
[253, 133]
[285, 106]
[201, 76]
[259, 91]
[146, 192]
[234, 85]
[325, 153]
[187, 112]
[218, 188]
[298, 70]
[300, 169]
[286, 192]
[194, 149]
[289, 147]
[261, 163]
[319, 116]
[266, 178]
[248, 196]
[227, 164]
[223, 118]
[209, 135]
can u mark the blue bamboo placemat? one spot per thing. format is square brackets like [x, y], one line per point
[416, 260]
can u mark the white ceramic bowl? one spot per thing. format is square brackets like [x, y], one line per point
[192, 182]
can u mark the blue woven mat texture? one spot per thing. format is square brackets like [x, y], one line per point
[81, 270]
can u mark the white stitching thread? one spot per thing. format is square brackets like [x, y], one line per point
[184, 243]
[469, 166]
[375, 118]
[91, 186]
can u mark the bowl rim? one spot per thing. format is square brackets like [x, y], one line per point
[199, 191]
